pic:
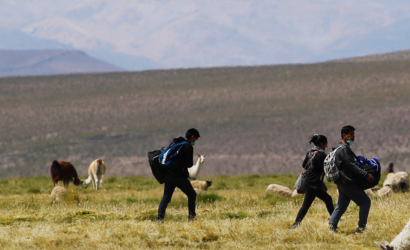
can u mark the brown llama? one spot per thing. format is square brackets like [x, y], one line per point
[64, 171]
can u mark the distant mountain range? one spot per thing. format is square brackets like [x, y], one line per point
[140, 35]
[50, 62]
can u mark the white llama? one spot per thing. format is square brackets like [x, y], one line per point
[96, 173]
[194, 170]
[401, 242]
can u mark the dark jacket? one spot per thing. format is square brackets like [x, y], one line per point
[185, 157]
[314, 170]
[345, 161]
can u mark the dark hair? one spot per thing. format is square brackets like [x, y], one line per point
[318, 139]
[192, 132]
[347, 129]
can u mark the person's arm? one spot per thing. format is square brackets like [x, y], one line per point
[305, 161]
[349, 160]
[188, 152]
[317, 162]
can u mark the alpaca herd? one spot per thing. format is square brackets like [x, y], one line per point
[66, 172]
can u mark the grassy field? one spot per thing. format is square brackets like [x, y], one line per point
[253, 120]
[235, 213]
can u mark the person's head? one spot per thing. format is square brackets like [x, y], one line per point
[192, 135]
[319, 140]
[347, 134]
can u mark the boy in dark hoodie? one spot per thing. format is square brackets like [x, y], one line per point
[345, 161]
[179, 178]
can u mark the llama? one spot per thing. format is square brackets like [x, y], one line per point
[58, 194]
[402, 179]
[194, 170]
[96, 173]
[385, 191]
[401, 242]
[200, 186]
[64, 171]
[275, 188]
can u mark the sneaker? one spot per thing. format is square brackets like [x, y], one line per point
[160, 219]
[360, 230]
[294, 226]
[332, 229]
[192, 218]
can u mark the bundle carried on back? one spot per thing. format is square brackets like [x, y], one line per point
[157, 170]
[166, 159]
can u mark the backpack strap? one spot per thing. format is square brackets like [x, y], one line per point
[310, 158]
[307, 163]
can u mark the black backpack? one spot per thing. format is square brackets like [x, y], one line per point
[371, 167]
[157, 170]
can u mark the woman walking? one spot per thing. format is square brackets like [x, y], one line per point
[315, 187]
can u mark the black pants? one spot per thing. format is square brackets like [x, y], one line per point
[310, 196]
[185, 186]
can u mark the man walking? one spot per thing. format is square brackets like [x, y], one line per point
[178, 178]
[349, 190]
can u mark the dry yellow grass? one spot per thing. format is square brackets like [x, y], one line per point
[230, 216]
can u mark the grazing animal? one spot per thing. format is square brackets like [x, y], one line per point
[402, 179]
[397, 181]
[96, 173]
[401, 242]
[275, 188]
[384, 191]
[64, 171]
[194, 170]
[58, 193]
[200, 186]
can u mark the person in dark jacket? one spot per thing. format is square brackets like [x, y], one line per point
[349, 190]
[179, 178]
[315, 187]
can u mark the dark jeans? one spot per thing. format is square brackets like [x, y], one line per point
[169, 187]
[347, 193]
[310, 196]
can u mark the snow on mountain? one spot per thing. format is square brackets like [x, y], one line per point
[182, 33]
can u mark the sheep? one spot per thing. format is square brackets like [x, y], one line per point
[200, 186]
[385, 191]
[275, 188]
[64, 171]
[58, 194]
[194, 170]
[401, 242]
[96, 173]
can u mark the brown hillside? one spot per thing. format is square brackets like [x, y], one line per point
[252, 119]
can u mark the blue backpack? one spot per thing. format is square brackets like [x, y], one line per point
[371, 166]
[169, 157]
